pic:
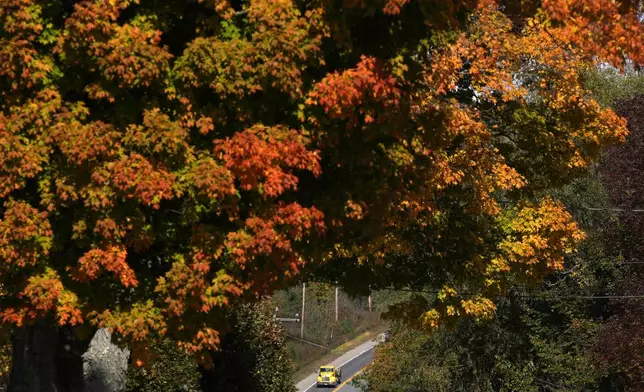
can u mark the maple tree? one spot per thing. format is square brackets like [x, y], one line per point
[162, 160]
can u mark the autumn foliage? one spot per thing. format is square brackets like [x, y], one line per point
[161, 160]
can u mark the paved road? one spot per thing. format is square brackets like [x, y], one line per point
[349, 370]
[352, 368]
[350, 362]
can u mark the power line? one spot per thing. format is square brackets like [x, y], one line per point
[584, 296]
[612, 209]
[545, 297]
[307, 342]
[525, 296]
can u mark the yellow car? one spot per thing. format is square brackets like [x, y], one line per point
[329, 375]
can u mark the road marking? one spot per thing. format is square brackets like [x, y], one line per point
[350, 378]
[347, 361]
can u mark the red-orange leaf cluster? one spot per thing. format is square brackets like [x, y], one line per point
[263, 158]
[273, 237]
[138, 178]
[605, 28]
[212, 179]
[365, 89]
[112, 259]
[72, 139]
[20, 159]
[42, 294]
[25, 236]
[129, 54]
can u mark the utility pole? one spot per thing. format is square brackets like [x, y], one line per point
[302, 316]
[336, 304]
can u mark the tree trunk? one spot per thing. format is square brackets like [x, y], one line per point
[33, 366]
[105, 364]
[51, 359]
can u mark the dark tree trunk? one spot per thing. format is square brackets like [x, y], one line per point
[51, 359]
[33, 367]
[70, 361]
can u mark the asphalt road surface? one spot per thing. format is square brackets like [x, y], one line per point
[349, 370]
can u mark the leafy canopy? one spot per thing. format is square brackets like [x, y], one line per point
[164, 159]
[540, 339]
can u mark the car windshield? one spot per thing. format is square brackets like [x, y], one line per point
[326, 369]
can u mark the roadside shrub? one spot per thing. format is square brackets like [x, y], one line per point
[169, 370]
